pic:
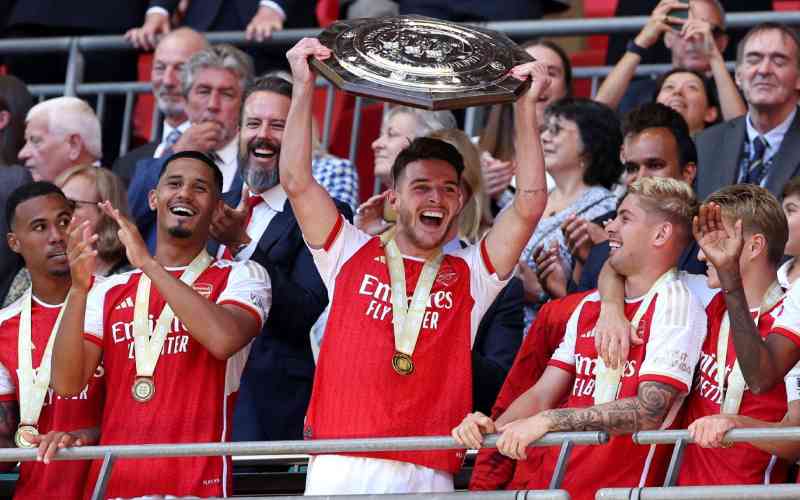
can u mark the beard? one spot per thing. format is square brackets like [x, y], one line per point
[179, 232]
[258, 178]
[169, 107]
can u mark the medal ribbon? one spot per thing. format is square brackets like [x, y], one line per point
[407, 319]
[147, 347]
[33, 382]
[732, 397]
[607, 380]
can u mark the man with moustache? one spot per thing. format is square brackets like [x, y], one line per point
[38, 214]
[172, 379]
[171, 54]
[212, 81]
[276, 384]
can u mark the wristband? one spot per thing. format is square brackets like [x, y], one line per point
[635, 48]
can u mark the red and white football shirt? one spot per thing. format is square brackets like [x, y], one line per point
[673, 329]
[59, 479]
[194, 391]
[356, 392]
[742, 463]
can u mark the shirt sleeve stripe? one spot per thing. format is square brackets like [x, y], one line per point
[664, 380]
[337, 228]
[560, 364]
[93, 339]
[486, 260]
[8, 397]
[247, 308]
[792, 335]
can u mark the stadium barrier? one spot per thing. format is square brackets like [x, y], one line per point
[470, 495]
[76, 46]
[745, 492]
[109, 454]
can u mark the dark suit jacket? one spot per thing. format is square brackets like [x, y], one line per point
[720, 147]
[11, 178]
[496, 344]
[474, 10]
[277, 381]
[125, 166]
[100, 16]
[145, 178]
[208, 15]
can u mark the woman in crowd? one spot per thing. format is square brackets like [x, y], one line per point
[401, 125]
[86, 186]
[690, 94]
[497, 139]
[581, 141]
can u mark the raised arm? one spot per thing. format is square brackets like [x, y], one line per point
[646, 411]
[315, 210]
[616, 83]
[514, 226]
[764, 362]
[75, 358]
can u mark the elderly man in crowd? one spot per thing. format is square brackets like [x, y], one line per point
[762, 147]
[213, 81]
[172, 52]
[60, 133]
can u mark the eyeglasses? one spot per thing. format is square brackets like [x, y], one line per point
[77, 203]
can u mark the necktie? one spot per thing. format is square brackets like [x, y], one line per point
[250, 204]
[755, 169]
[171, 139]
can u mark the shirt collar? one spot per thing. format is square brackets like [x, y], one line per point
[275, 197]
[774, 137]
[169, 128]
[783, 274]
[228, 152]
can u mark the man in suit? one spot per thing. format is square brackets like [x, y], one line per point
[172, 52]
[481, 10]
[258, 18]
[212, 81]
[762, 147]
[276, 384]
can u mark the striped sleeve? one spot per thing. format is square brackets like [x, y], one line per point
[248, 287]
[788, 322]
[677, 332]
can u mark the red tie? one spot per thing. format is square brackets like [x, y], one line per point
[251, 202]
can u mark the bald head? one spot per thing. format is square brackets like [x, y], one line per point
[172, 52]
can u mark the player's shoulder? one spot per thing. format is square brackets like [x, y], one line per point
[102, 284]
[10, 311]
[242, 269]
[678, 304]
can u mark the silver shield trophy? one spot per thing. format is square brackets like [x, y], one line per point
[422, 62]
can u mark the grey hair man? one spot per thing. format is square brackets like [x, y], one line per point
[60, 133]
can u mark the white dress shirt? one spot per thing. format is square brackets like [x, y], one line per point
[229, 163]
[165, 133]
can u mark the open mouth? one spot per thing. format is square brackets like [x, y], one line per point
[614, 245]
[182, 211]
[264, 153]
[432, 218]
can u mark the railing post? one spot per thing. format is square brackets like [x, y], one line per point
[75, 68]
[330, 97]
[561, 465]
[356, 127]
[675, 463]
[127, 119]
[470, 121]
[102, 479]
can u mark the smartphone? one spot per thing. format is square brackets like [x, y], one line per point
[680, 13]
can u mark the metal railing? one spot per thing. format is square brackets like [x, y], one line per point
[470, 495]
[109, 454]
[742, 492]
[76, 46]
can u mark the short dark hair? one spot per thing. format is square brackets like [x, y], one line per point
[708, 86]
[14, 98]
[28, 192]
[600, 133]
[199, 156]
[792, 187]
[565, 62]
[784, 29]
[425, 148]
[266, 83]
[655, 115]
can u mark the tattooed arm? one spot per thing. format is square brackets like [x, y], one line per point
[644, 412]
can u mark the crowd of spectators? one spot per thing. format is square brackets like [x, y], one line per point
[621, 263]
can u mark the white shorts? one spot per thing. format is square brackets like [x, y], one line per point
[340, 475]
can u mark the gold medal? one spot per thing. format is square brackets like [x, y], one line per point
[402, 363]
[143, 389]
[20, 440]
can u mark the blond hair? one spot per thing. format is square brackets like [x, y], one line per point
[109, 187]
[760, 213]
[475, 216]
[670, 198]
